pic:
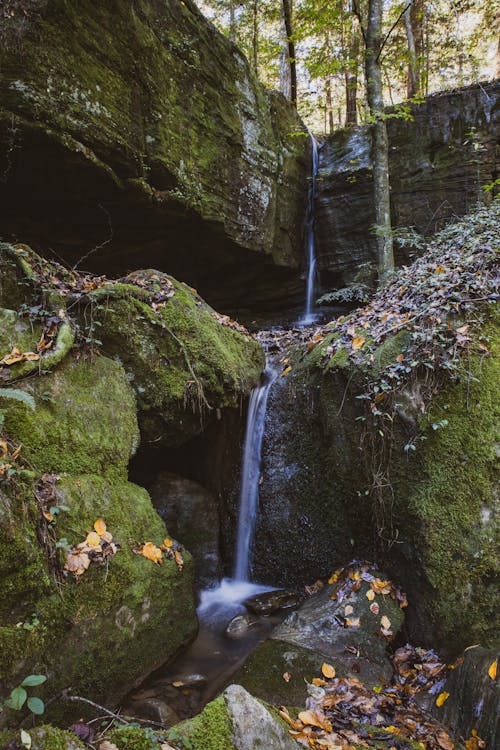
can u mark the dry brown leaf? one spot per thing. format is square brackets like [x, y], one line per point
[316, 719]
[178, 559]
[444, 740]
[77, 563]
[385, 622]
[107, 745]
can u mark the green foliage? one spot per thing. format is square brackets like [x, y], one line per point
[15, 395]
[19, 696]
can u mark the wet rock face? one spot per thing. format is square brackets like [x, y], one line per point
[141, 132]
[439, 163]
[191, 514]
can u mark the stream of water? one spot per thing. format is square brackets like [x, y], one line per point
[311, 245]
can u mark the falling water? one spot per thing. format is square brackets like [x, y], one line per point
[311, 247]
[250, 474]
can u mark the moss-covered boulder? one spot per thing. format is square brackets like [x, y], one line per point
[401, 399]
[104, 630]
[184, 162]
[184, 361]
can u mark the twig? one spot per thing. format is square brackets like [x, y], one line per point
[65, 696]
[103, 244]
[392, 29]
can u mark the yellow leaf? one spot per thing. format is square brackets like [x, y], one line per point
[328, 671]
[93, 539]
[286, 371]
[151, 552]
[357, 342]
[168, 542]
[319, 682]
[370, 595]
[492, 671]
[100, 527]
[385, 622]
[441, 699]
[335, 576]
[439, 269]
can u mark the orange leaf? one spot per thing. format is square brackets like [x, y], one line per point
[493, 669]
[151, 552]
[319, 682]
[441, 699]
[178, 559]
[328, 671]
[357, 342]
[100, 527]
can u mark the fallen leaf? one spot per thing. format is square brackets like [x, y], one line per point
[287, 676]
[441, 699]
[100, 528]
[353, 622]
[493, 669]
[357, 342]
[444, 740]
[315, 719]
[168, 542]
[286, 371]
[319, 682]
[178, 559]
[93, 539]
[374, 608]
[385, 622]
[328, 671]
[107, 745]
[370, 595]
[77, 563]
[151, 552]
[349, 609]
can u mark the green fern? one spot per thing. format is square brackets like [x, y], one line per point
[18, 395]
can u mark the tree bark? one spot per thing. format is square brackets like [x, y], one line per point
[255, 37]
[287, 15]
[329, 105]
[351, 81]
[380, 144]
[412, 83]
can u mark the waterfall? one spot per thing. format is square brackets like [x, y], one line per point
[250, 474]
[311, 247]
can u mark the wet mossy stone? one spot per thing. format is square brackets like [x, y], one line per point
[118, 622]
[84, 420]
[182, 362]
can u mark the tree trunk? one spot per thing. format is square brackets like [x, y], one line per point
[329, 105]
[351, 81]
[287, 15]
[380, 144]
[255, 38]
[413, 83]
[232, 21]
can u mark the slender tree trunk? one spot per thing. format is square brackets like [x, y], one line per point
[285, 77]
[351, 81]
[380, 144]
[329, 105]
[412, 83]
[232, 20]
[255, 38]
[287, 15]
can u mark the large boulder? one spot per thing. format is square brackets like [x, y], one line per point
[181, 161]
[439, 163]
[335, 626]
[389, 455]
[191, 514]
[64, 465]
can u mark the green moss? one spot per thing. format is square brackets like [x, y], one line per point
[135, 738]
[210, 730]
[182, 363]
[84, 420]
[16, 331]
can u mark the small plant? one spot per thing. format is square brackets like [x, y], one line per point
[358, 293]
[15, 394]
[19, 696]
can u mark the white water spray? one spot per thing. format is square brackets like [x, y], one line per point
[311, 246]
[250, 474]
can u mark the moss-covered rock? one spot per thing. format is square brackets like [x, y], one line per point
[182, 361]
[185, 162]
